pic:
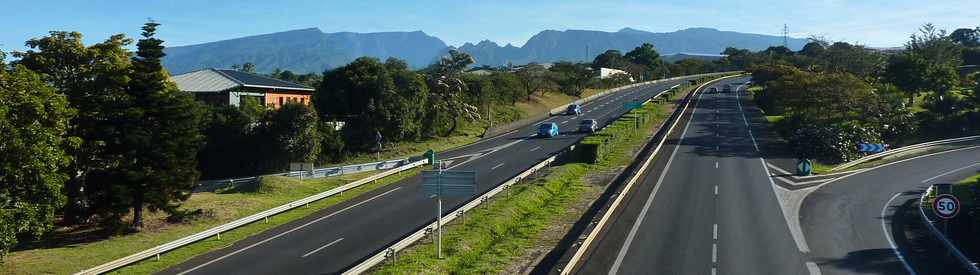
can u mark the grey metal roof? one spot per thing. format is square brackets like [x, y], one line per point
[217, 80]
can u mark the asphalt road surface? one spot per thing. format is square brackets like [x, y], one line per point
[707, 206]
[852, 227]
[338, 237]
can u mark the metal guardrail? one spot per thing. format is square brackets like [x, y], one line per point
[903, 149]
[960, 257]
[392, 250]
[532, 119]
[216, 231]
[211, 185]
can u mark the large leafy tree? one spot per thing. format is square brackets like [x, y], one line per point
[966, 37]
[572, 78]
[93, 79]
[293, 130]
[163, 134]
[533, 78]
[645, 55]
[447, 88]
[34, 122]
[610, 59]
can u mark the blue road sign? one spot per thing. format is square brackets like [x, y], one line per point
[804, 167]
[870, 148]
[448, 183]
[632, 105]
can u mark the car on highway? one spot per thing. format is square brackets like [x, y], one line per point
[548, 129]
[727, 88]
[713, 90]
[573, 109]
[588, 125]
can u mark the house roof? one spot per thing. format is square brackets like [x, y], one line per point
[218, 80]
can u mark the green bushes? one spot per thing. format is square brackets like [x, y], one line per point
[595, 148]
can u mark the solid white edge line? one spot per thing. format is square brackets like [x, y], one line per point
[950, 172]
[322, 247]
[287, 232]
[646, 206]
[888, 236]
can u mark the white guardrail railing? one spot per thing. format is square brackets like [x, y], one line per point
[216, 231]
[211, 185]
[391, 251]
[960, 257]
[903, 149]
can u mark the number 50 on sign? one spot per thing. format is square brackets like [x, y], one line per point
[946, 206]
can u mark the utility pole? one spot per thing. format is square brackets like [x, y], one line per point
[785, 36]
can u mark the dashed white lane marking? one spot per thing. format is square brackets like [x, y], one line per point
[888, 236]
[716, 165]
[714, 253]
[535, 148]
[813, 268]
[715, 232]
[322, 247]
[716, 190]
[563, 122]
[714, 271]
[287, 232]
[497, 166]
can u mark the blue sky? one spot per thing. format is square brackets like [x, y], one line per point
[869, 22]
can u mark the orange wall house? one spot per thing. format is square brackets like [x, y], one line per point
[230, 87]
[276, 100]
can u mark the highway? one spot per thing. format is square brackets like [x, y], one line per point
[707, 205]
[851, 224]
[337, 237]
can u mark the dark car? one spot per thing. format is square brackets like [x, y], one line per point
[727, 88]
[712, 90]
[573, 109]
[588, 125]
[548, 129]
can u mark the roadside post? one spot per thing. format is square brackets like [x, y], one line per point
[378, 138]
[804, 167]
[439, 183]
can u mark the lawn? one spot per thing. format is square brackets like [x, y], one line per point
[219, 208]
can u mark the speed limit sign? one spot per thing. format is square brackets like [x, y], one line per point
[946, 206]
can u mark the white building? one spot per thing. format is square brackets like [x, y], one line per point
[607, 72]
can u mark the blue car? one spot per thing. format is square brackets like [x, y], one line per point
[549, 129]
[573, 109]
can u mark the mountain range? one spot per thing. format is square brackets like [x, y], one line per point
[311, 50]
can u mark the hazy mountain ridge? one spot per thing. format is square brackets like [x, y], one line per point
[311, 50]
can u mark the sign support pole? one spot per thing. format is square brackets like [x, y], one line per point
[439, 216]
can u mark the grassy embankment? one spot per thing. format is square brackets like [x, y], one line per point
[511, 231]
[69, 250]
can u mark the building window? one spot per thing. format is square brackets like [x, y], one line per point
[280, 101]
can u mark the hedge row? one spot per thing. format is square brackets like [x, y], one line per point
[596, 147]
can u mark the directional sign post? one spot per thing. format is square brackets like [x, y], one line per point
[804, 167]
[871, 147]
[632, 105]
[446, 183]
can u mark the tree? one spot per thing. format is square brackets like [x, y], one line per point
[645, 55]
[609, 59]
[533, 79]
[248, 67]
[813, 49]
[34, 122]
[906, 72]
[93, 79]
[842, 57]
[163, 136]
[293, 129]
[446, 88]
[571, 78]
[966, 37]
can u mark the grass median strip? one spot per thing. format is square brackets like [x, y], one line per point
[219, 208]
[509, 233]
